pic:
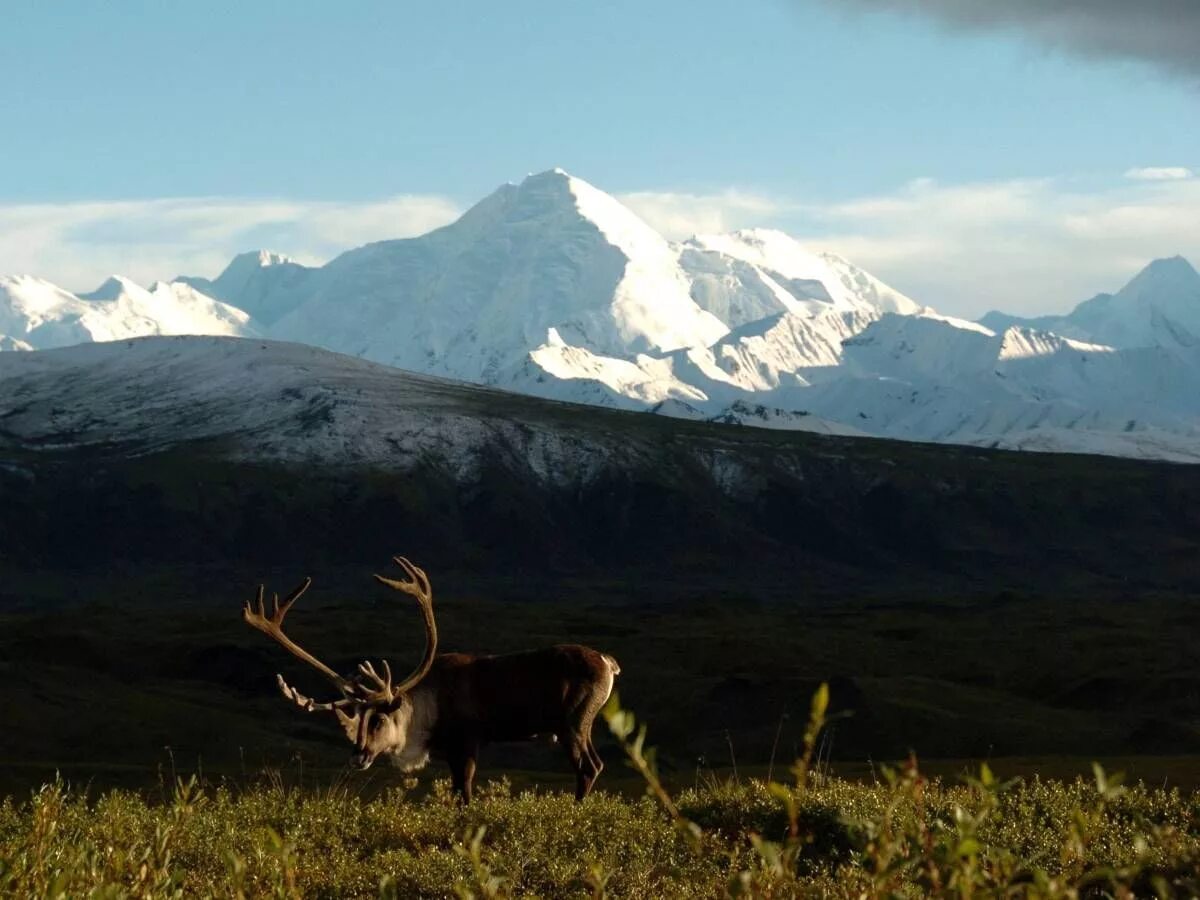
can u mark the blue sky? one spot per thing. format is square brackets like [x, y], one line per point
[152, 138]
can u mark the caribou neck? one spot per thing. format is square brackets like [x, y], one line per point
[422, 719]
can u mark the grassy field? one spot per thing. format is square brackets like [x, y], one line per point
[904, 835]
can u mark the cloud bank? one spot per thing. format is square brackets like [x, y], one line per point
[1160, 173]
[1163, 33]
[78, 245]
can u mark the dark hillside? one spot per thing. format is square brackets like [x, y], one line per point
[960, 601]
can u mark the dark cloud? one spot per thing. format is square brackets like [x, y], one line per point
[1164, 33]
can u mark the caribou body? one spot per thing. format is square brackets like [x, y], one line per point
[454, 703]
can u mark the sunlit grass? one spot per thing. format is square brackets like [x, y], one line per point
[904, 836]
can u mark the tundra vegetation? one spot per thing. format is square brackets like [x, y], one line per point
[971, 605]
[900, 835]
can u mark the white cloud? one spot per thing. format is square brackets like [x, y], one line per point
[681, 215]
[1023, 246]
[1160, 173]
[77, 245]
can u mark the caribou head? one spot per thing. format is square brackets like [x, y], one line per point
[380, 718]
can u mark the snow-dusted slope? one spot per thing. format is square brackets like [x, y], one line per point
[35, 314]
[261, 400]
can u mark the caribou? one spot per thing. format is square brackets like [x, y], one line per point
[452, 704]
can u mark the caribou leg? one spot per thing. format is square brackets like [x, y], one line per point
[581, 761]
[597, 762]
[462, 770]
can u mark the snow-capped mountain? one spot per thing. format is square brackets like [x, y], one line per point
[37, 315]
[472, 299]
[957, 382]
[551, 287]
[1160, 307]
[266, 285]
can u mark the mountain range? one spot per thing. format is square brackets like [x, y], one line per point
[551, 287]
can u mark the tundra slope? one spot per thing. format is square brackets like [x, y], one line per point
[228, 450]
[259, 401]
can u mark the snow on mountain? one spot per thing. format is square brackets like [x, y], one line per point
[637, 383]
[787, 348]
[36, 315]
[551, 287]
[1160, 307]
[266, 285]
[916, 347]
[1137, 443]
[554, 288]
[728, 267]
[473, 299]
[264, 400]
[945, 380]
[759, 416]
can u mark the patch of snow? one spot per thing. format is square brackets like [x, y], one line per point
[12, 343]
[760, 416]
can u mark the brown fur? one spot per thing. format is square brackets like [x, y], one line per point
[483, 699]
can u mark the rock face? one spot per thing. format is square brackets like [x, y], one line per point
[552, 288]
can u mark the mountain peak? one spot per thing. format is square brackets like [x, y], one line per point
[1169, 271]
[245, 263]
[1164, 283]
[556, 196]
[112, 288]
[1160, 306]
[558, 173]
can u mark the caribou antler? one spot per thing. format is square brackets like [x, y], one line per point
[307, 703]
[417, 586]
[272, 627]
[383, 690]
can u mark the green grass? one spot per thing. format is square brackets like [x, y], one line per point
[902, 835]
[909, 837]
